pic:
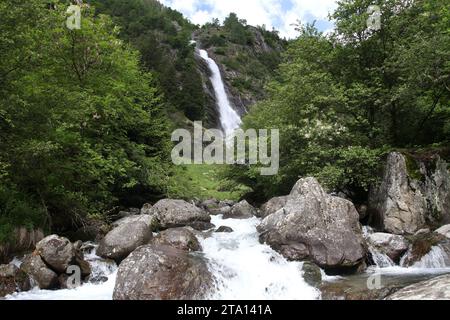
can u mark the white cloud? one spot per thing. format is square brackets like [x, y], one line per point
[271, 13]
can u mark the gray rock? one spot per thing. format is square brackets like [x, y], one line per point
[445, 230]
[147, 209]
[179, 213]
[394, 246]
[224, 229]
[215, 207]
[434, 289]
[312, 274]
[57, 252]
[412, 195]
[180, 238]
[149, 220]
[318, 227]
[35, 267]
[366, 287]
[241, 210]
[273, 205]
[12, 280]
[123, 240]
[155, 272]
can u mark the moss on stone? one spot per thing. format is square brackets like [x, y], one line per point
[413, 168]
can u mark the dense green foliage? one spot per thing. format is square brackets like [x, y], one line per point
[162, 36]
[81, 126]
[342, 100]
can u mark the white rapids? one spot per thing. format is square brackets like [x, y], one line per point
[229, 118]
[244, 269]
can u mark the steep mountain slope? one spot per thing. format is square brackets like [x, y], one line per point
[246, 55]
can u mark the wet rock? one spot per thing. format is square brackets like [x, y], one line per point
[241, 210]
[312, 274]
[369, 286]
[215, 207]
[35, 267]
[317, 227]
[224, 229]
[393, 246]
[57, 252]
[155, 272]
[273, 205]
[12, 280]
[412, 195]
[201, 225]
[149, 220]
[179, 213]
[445, 231]
[147, 209]
[180, 238]
[422, 245]
[123, 240]
[433, 289]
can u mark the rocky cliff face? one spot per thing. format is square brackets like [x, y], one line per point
[412, 194]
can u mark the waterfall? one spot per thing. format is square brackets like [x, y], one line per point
[435, 259]
[229, 118]
[380, 259]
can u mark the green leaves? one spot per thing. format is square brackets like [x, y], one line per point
[82, 126]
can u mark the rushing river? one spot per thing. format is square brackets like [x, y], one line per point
[242, 267]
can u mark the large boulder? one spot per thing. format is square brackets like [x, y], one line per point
[412, 195]
[180, 238]
[273, 205]
[12, 280]
[318, 227]
[241, 210]
[434, 289]
[57, 252]
[394, 246]
[149, 220]
[179, 213]
[155, 272]
[215, 207]
[35, 267]
[123, 240]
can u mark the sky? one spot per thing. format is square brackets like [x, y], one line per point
[280, 14]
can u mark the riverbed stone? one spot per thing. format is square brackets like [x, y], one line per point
[434, 289]
[318, 227]
[57, 252]
[241, 210]
[12, 280]
[180, 238]
[123, 240]
[156, 272]
[273, 205]
[394, 246]
[35, 267]
[179, 213]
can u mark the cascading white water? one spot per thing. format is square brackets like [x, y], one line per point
[244, 269]
[89, 291]
[437, 258]
[229, 118]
